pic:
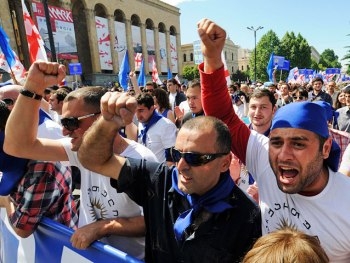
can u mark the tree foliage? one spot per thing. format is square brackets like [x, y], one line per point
[240, 76]
[294, 48]
[347, 58]
[190, 73]
[328, 59]
[268, 43]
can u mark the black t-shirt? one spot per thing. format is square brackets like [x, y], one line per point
[222, 237]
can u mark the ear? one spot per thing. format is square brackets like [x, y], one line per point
[327, 148]
[274, 109]
[226, 162]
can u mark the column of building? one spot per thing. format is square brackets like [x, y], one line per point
[114, 53]
[91, 28]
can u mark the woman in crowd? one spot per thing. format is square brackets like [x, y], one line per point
[162, 104]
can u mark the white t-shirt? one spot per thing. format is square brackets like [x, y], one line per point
[160, 136]
[326, 215]
[98, 200]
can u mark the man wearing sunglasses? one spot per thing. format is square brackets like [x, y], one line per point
[295, 168]
[193, 210]
[104, 214]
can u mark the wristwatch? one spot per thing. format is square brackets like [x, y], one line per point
[30, 94]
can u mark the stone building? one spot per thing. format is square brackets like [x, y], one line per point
[103, 30]
[231, 54]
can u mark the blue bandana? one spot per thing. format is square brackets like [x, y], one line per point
[213, 201]
[12, 169]
[307, 116]
[155, 117]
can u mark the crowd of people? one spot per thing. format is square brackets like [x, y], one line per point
[200, 172]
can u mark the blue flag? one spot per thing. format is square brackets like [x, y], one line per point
[141, 81]
[270, 67]
[6, 49]
[124, 71]
[170, 74]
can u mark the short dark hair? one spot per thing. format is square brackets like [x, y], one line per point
[260, 93]
[317, 79]
[4, 114]
[223, 138]
[146, 100]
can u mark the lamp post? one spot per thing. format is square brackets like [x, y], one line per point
[49, 31]
[254, 30]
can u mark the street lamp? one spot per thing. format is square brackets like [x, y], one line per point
[254, 30]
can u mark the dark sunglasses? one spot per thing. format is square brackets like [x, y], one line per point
[298, 98]
[72, 123]
[8, 102]
[148, 90]
[194, 159]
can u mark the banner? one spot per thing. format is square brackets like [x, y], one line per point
[120, 44]
[62, 28]
[103, 42]
[173, 54]
[151, 50]
[197, 51]
[163, 53]
[51, 243]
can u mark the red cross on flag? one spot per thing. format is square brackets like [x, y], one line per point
[138, 61]
[35, 42]
[155, 76]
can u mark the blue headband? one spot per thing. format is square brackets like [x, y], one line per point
[307, 116]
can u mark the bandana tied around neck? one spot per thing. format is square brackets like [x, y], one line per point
[214, 201]
[155, 117]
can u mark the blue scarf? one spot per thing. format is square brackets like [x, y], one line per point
[213, 201]
[155, 117]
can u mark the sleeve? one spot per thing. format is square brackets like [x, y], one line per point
[138, 178]
[35, 195]
[217, 102]
[169, 135]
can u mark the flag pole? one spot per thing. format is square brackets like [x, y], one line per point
[49, 31]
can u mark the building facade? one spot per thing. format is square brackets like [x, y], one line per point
[231, 54]
[98, 33]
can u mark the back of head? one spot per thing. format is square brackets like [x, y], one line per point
[162, 98]
[286, 245]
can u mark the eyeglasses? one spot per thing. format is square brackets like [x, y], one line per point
[298, 97]
[72, 123]
[194, 159]
[8, 102]
[148, 90]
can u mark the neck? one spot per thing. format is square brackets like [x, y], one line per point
[261, 129]
[319, 183]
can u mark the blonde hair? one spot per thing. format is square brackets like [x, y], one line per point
[286, 245]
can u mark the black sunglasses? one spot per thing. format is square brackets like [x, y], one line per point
[8, 102]
[194, 159]
[298, 98]
[72, 123]
[148, 90]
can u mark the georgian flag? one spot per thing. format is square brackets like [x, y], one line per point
[35, 42]
[9, 61]
[155, 76]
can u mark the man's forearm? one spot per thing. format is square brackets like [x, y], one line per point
[124, 226]
[96, 150]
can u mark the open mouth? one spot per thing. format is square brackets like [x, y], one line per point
[287, 174]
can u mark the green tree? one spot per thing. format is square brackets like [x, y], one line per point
[347, 57]
[190, 72]
[328, 59]
[240, 76]
[268, 43]
[296, 49]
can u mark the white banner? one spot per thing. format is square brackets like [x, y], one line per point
[120, 44]
[163, 53]
[103, 42]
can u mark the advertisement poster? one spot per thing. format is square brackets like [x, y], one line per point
[62, 29]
